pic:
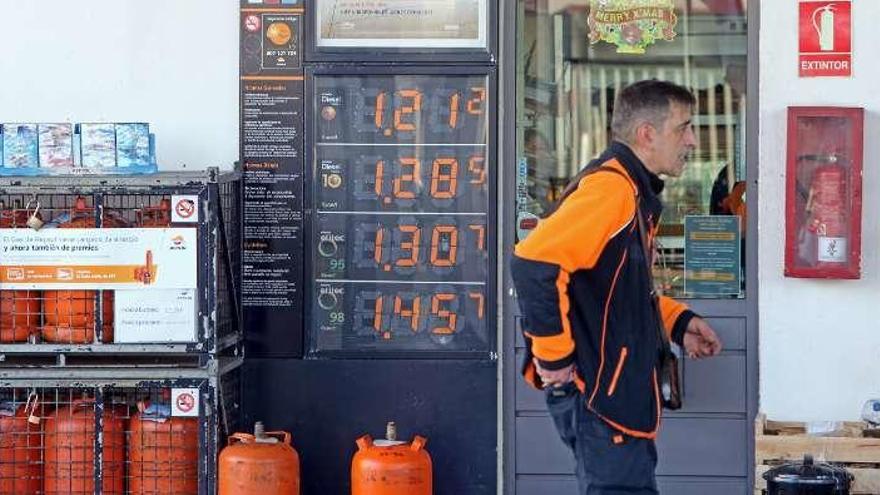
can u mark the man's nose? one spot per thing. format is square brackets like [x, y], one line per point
[690, 137]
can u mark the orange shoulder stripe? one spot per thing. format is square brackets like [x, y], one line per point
[574, 236]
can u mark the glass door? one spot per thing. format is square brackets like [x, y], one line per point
[575, 56]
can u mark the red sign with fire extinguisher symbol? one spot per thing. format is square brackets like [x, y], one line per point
[825, 48]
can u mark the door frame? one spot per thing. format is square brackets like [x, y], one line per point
[507, 162]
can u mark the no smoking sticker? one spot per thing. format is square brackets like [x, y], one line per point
[185, 402]
[185, 209]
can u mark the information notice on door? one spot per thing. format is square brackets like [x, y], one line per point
[712, 255]
[272, 164]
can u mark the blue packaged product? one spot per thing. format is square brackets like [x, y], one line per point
[133, 145]
[20, 146]
[56, 145]
[98, 145]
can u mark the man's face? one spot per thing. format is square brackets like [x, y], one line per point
[674, 141]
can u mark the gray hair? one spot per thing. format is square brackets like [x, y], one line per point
[646, 101]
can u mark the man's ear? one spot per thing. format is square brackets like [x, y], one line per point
[645, 134]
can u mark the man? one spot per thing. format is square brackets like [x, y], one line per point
[584, 286]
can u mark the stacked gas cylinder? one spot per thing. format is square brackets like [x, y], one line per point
[64, 316]
[49, 449]
[110, 378]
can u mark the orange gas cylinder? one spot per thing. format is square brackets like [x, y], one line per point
[69, 458]
[19, 314]
[19, 309]
[69, 316]
[260, 464]
[155, 216]
[391, 467]
[163, 452]
[21, 449]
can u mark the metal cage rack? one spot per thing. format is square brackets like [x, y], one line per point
[142, 432]
[51, 323]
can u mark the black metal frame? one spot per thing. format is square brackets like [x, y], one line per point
[386, 55]
[492, 229]
[218, 250]
[228, 201]
[747, 307]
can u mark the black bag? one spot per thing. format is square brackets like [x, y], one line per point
[668, 377]
[669, 384]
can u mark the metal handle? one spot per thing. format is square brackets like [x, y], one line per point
[30, 407]
[280, 435]
[241, 438]
[32, 201]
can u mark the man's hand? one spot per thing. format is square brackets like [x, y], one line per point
[700, 340]
[554, 378]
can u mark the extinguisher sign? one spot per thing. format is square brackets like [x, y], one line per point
[185, 402]
[825, 47]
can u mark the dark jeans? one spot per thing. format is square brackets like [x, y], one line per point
[603, 466]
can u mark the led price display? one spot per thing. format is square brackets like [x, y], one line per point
[401, 247]
[401, 109]
[404, 179]
[411, 317]
[401, 192]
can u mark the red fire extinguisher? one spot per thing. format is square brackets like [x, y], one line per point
[826, 220]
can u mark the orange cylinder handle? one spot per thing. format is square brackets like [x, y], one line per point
[241, 438]
[280, 435]
[418, 443]
[364, 442]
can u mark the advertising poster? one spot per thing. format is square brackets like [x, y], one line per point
[270, 41]
[153, 272]
[402, 23]
[98, 258]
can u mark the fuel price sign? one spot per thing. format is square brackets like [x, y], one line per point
[401, 234]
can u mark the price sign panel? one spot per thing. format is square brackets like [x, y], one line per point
[401, 235]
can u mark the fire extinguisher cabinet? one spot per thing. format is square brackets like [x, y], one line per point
[823, 191]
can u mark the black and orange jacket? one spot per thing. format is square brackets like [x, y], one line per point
[584, 290]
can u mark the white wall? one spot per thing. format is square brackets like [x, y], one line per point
[172, 63]
[819, 340]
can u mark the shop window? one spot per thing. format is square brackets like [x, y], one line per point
[566, 90]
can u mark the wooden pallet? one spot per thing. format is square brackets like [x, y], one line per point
[852, 445]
